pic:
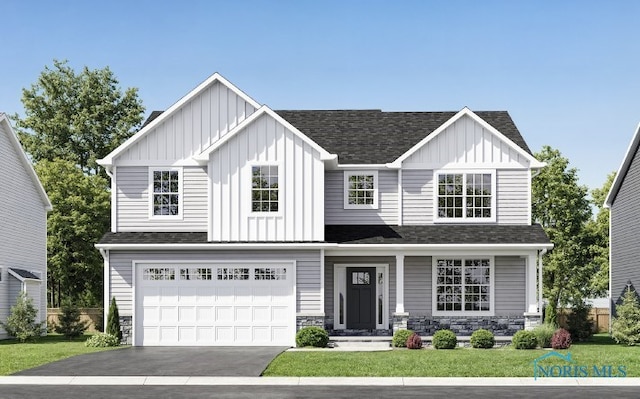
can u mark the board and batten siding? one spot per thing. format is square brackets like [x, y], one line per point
[23, 230]
[512, 196]
[387, 212]
[625, 223]
[133, 213]
[195, 126]
[300, 181]
[465, 142]
[307, 271]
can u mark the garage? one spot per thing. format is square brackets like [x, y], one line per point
[249, 304]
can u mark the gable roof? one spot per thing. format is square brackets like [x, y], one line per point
[13, 139]
[377, 137]
[264, 110]
[157, 117]
[624, 168]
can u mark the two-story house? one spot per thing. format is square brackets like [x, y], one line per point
[23, 228]
[233, 224]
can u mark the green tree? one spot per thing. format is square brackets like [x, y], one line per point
[79, 218]
[598, 231]
[80, 117]
[21, 322]
[113, 320]
[69, 323]
[561, 206]
[625, 328]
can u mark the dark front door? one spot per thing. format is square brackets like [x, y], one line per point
[361, 296]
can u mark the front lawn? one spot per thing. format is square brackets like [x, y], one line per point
[15, 356]
[460, 362]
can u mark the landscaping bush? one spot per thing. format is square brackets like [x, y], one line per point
[561, 339]
[524, 339]
[544, 333]
[102, 340]
[312, 336]
[445, 339]
[21, 322]
[113, 320]
[69, 323]
[625, 327]
[483, 339]
[400, 338]
[414, 341]
[578, 323]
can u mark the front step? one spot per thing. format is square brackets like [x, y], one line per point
[360, 342]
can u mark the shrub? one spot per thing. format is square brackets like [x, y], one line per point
[69, 323]
[414, 341]
[524, 339]
[625, 327]
[543, 333]
[102, 340]
[113, 320]
[400, 338]
[561, 339]
[312, 336]
[445, 339]
[578, 323]
[483, 339]
[21, 322]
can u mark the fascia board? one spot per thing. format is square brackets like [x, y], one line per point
[623, 169]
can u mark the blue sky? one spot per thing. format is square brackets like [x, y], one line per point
[567, 71]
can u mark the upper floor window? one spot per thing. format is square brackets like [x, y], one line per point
[166, 192]
[465, 196]
[361, 190]
[264, 188]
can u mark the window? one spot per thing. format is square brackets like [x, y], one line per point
[463, 286]
[361, 190]
[264, 188]
[158, 273]
[166, 198]
[233, 273]
[196, 273]
[465, 196]
[270, 273]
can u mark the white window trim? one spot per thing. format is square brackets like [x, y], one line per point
[249, 199]
[376, 190]
[340, 286]
[434, 293]
[180, 214]
[464, 218]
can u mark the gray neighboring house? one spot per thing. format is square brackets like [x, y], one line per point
[233, 224]
[624, 224]
[23, 227]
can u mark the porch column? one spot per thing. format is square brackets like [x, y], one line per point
[399, 283]
[533, 313]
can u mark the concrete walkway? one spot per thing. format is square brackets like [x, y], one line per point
[312, 381]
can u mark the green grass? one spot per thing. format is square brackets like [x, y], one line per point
[460, 362]
[16, 356]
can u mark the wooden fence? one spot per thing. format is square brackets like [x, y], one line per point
[599, 316]
[91, 315]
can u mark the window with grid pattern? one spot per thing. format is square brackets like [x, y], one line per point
[463, 285]
[465, 196]
[264, 188]
[361, 189]
[166, 193]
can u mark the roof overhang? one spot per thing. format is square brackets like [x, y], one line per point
[23, 275]
[623, 169]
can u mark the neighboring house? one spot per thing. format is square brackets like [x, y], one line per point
[233, 224]
[624, 222]
[23, 227]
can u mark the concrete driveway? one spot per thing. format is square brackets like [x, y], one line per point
[164, 361]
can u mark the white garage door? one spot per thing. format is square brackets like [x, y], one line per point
[196, 305]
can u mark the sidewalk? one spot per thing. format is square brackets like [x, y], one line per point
[316, 381]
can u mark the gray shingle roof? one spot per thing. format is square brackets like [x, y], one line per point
[377, 137]
[372, 234]
[24, 273]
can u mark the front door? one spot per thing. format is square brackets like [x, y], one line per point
[361, 296]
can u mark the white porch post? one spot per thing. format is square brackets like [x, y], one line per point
[532, 298]
[399, 283]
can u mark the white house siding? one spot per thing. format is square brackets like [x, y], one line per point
[417, 197]
[465, 142]
[23, 231]
[625, 223]
[307, 271]
[512, 196]
[133, 201]
[192, 128]
[300, 179]
[387, 212]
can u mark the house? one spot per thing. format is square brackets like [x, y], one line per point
[23, 228]
[623, 200]
[233, 224]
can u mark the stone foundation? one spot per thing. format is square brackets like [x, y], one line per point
[400, 321]
[465, 326]
[532, 320]
[126, 328]
[306, 321]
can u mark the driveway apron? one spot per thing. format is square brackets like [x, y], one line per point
[164, 361]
